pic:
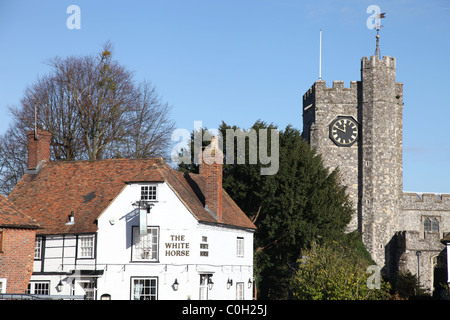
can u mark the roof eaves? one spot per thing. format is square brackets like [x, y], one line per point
[230, 226]
[19, 226]
[111, 201]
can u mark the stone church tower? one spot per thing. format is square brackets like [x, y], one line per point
[359, 129]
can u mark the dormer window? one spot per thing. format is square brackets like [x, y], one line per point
[149, 193]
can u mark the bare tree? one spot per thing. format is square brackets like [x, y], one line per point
[13, 159]
[149, 128]
[94, 110]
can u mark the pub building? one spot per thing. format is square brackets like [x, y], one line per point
[134, 229]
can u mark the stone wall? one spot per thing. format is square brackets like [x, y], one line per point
[391, 221]
[321, 105]
[380, 162]
[420, 253]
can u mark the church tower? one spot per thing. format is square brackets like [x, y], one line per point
[358, 129]
[381, 168]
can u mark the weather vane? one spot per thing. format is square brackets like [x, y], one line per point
[378, 27]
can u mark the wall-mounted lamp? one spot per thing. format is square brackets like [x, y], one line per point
[210, 284]
[175, 285]
[229, 283]
[250, 282]
[59, 286]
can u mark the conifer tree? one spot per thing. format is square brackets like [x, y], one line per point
[302, 203]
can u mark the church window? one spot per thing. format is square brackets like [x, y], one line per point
[431, 224]
[435, 225]
[427, 224]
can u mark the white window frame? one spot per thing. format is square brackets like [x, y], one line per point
[89, 287]
[86, 246]
[151, 194]
[146, 246]
[38, 245]
[32, 287]
[3, 283]
[138, 285]
[240, 247]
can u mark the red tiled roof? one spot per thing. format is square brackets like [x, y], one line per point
[12, 217]
[88, 187]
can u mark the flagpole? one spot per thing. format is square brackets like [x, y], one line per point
[320, 55]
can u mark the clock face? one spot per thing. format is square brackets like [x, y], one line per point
[344, 131]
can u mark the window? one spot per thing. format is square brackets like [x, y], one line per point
[144, 289]
[2, 285]
[89, 289]
[431, 224]
[435, 225]
[427, 224]
[240, 247]
[148, 193]
[145, 246]
[38, 287]
[239, 291]
[38, 248]
[86, 246]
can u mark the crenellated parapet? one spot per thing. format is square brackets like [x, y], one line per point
[426, 201]
[374, 61]
[338, 93]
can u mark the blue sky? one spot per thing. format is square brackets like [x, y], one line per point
[244, 60]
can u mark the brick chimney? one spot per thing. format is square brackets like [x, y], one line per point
[38, 148]
[210, 166]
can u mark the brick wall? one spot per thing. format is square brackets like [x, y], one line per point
[210, 166]
[16, 258]
[38, 149]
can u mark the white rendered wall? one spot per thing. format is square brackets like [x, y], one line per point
[179, 229]
[181, 239]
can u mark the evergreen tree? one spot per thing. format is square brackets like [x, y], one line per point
[302, 203]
